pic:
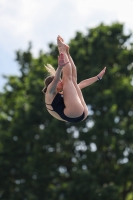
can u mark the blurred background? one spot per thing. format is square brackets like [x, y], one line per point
[41, 157]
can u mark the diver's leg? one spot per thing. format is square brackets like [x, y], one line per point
[74, 76]
[74, 107]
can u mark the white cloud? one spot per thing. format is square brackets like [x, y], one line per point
[19, 19]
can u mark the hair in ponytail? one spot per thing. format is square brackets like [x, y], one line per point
[50, 69]
[50, 78]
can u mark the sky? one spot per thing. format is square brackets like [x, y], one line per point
[40, 21]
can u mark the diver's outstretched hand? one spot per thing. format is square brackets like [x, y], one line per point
[100, 75]
[61, 61]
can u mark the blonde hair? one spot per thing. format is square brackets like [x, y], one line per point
[50, 69]
[50, 78]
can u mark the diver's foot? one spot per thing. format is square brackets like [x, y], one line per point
[60, 44]
[66, 46]
[63, 44]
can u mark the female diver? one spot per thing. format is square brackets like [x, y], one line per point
[63, 96]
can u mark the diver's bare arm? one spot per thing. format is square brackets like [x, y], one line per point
[53, 85]
[92, 80]
[87, 82]
[61, 64]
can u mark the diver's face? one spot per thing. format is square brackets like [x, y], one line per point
[59, 86]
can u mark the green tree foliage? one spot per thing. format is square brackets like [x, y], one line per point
[43, 158]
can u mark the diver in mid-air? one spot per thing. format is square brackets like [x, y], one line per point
[63, 96]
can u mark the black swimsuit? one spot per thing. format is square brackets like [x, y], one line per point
[58, 106]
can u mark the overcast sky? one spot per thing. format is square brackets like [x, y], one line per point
[40, 21]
